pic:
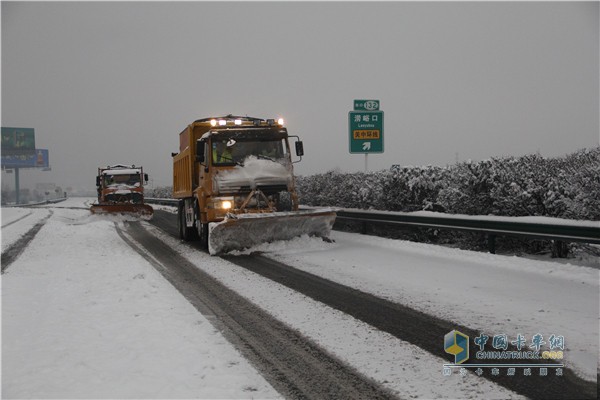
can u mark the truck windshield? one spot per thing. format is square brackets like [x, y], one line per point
[228, 152]
[122, 179]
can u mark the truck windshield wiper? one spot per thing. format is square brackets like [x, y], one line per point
[260, 156]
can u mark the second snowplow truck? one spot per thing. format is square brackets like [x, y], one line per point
[121, 191]
[234, 180]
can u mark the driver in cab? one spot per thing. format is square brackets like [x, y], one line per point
[221, 153]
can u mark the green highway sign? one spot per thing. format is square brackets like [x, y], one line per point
[366, 105]
[18, 141]
[366, 131]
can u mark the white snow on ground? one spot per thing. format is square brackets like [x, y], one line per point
[400, 366]
[100, 307]
[84, 316]
[492, 293]
[17, 221]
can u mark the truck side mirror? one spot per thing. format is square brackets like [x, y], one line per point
[97, 181]
[299, 148]
[200, 151]
[146, 177]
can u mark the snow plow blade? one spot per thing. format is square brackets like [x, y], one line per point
[240, 231]
[141, 210]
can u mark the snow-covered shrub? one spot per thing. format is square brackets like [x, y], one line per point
[580, 185]
[333, 188]
[467, 189]
[164, 192]
[412, 188]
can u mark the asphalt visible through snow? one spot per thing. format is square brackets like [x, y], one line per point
[13, 252]
[295, 366]
[405, 323]
[408, 325]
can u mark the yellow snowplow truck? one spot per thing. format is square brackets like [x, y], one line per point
[121, 191]
[234, 180]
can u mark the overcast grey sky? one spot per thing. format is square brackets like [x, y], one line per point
[115, 82]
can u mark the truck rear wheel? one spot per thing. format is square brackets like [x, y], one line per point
[180, 220]
[185, 232]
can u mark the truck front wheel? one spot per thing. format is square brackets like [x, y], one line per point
[203, 233]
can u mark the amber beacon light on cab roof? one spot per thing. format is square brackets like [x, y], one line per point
[234, 180]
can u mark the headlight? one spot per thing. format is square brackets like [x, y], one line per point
[222, 203]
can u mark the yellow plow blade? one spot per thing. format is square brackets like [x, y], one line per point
[241, 231]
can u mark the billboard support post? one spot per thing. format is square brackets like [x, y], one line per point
[17, 187]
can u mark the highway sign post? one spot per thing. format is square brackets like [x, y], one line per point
[365, 128]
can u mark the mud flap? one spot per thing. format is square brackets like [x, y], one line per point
[142, 210]
[240, 231]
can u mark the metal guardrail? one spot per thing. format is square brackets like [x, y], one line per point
[563, 231]
[40, 203]
[535, 230]
[163, 202]
[557, 232]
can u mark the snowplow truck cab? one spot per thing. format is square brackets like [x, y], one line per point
[234, 180]
[121, 190]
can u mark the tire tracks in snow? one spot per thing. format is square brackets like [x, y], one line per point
[17, 220]
[415, 327]
[14, 251]
[295, 366]
[409, 325]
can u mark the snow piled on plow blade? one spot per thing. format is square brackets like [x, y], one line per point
[240, 231]
[143, 211]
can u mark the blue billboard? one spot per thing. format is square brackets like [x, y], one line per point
[39, 159]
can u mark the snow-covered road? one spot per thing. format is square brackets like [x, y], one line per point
[491, 293]
[85, 316]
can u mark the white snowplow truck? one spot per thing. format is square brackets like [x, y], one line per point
[121, 191]
[234, 180]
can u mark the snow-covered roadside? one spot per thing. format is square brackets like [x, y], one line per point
[17, 221]
[84, 316]
[491, 293]
[400, 366]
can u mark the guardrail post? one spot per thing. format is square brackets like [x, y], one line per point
[491, 242]
[559, 249]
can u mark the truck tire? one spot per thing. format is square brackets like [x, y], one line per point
[185, 232]
[203, 234]
[180, 225]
